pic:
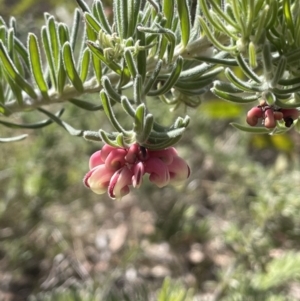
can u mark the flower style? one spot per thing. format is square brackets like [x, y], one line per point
[270, 115]
[116, 169]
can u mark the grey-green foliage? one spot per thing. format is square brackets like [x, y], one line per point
[149, 48]
[263, 38]
[154, 50]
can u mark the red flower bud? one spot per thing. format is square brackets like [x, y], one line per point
[253, 115]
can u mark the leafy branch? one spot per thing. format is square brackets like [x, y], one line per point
[156, 50]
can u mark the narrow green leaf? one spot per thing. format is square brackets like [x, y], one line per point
[137, 89]
[16, 90]
[261, 26]
[131, 64]
[249, 129]
[84, 64]
[109, 112]
[172, 43]
[150, 82]
[139, 119]
[2, 97]
[267, 61]
[142, 55]
[61, 75]
[201, 75]
[85, 105]
[3, 33]
[92, 22]
[247, 87]
[63, 33]
[226, 87]
[13, 72]
[220, 12]
[246, 69]
[83, 5]
[280, 69]
[185, 23]
[110, 90]
[53, 41]
[36, 125]
[66, 126]
[273, 13]
[173, 133]
[13, 139]
[289, 105]
[10, 43]
[119, 15]
[108, 140]
[146, 14]
[92, 36]
[70, 68]
[214, 60]
[133, 13]
[123, 19]
[193, 85]
[128, 108]
[234, 98]
[100, 13]
[148, 126]
[96, 50]
[75, 28]
[168, 10]
[2, 22]
[154, 144]
[288, 15]
[171, 81]
[213, 39]
[36, 64]
[252, 55]
[49, 57]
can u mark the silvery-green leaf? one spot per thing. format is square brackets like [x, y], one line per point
[13, 139]
[36, 65]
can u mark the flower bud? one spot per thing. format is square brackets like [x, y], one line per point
[253, 115]
[270, 122]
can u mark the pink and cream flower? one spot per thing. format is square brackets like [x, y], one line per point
[116, 169]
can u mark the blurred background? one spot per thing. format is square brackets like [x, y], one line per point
[231, 232]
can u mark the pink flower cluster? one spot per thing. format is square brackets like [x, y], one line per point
[270, 115]
[115, 169]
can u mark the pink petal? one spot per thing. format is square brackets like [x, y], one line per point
[132, 153]
[98, 179]
[179, 170]
[166, 155]
[118, 185]
[158, 170]
[105, 151]
[115, 159]
[138, 172]
[95, 160]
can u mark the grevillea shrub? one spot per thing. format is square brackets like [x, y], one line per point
[167, 51]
